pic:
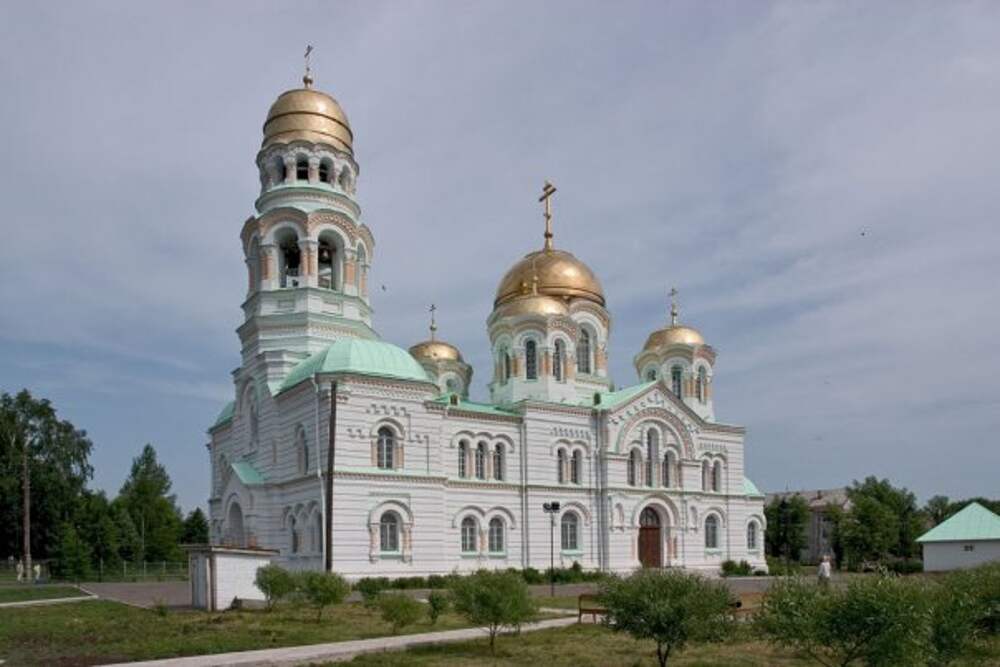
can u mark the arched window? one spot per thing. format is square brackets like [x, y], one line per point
[706, 473]
[557, 361]
[328, 264]
[481, 460]
[667, 475]
[505, 354]
[570, 532]
[324, 171]
[289, 258]
[576, 466]
[302, 447]
[712, 532]
[498, 463]
[583, 352]
[252, 417]
[561, 466]
[752, 536]
[463, 457]
[293, 531]
[650, 374]
[531, 360]
[317, 531]
[469, 530]
[302, 169]
[496, 535]
[389, 533]
[676, 373]
[702, 385]
[386, 448]
[633, 468]
[652, 455]
[717, 477]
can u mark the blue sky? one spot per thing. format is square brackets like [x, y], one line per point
[818, 179]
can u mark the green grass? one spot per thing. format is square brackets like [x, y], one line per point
[595, 646]
[570, 602]
[27, 592]
[101, 632]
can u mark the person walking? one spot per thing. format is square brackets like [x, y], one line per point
[824, 572]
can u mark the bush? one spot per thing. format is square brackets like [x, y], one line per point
[275, 582]
[532, 576]
[879, 620]
[323, 589]
[408, 582]
[731, 568]
[398, 610]
[779, 568]
[437, 581]
[437, 604]
[494, 600]
[907, 566]
[369, 588]
[671, 608]
[982, 584]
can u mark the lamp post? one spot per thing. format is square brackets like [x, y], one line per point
[552, 509]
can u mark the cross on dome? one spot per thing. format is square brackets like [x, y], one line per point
[547, 191]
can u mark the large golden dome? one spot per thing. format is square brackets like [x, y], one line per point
[532, 304]
[435, 350]
[559, 273]
[675, 334]
[308, 115]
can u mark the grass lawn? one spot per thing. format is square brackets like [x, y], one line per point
[25, 592]
[595, 646]
[100, 632]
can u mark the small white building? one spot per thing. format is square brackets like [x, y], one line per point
[220, 575]
[968, 539]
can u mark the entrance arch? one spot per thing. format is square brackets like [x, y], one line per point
[235, 535]
[650, 538]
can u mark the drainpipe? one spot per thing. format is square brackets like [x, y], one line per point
[525, 510]
[319, 472]
[603, 557]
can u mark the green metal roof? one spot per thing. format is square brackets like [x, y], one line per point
[249, 475]
[611, 399]
[750, 489]
[226, 414]
[471, 406]
[363, 357]
[974, 522]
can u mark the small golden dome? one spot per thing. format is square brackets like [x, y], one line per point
[673, 335]
[559, 273]
[435, 350]
[532, 304]
[308, 115]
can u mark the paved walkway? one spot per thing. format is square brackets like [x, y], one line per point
[338, 651]
[145, 594]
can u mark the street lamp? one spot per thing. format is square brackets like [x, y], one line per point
[552, 509]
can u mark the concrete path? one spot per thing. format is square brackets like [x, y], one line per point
[145, 594]
[336, 652]
[37, 603]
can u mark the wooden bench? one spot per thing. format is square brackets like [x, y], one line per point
[589, 604]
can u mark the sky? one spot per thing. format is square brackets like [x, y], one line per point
[818, 179]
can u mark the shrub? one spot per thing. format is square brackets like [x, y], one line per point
[731, 568]
[671, 608]
[408, 582]
[907, 566]
[532, 576]
[494, 600]
[275, 582]
[983, 585]
[323, 589]
[369, 588]
[398, 610]
[437, 581]
[779, 568]
[879, 620]
[437, 604]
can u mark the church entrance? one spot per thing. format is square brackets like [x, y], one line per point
[650, 539]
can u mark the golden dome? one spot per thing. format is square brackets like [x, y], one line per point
[559, 273]
[533, 304]
[308, 115]
[435, 350]
[673, 335]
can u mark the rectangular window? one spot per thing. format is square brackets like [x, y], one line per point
[969, 547]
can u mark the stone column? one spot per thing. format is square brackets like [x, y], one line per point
[546, 364]
[289, 169]
[313, 170]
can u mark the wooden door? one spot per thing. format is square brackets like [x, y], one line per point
[650, 540]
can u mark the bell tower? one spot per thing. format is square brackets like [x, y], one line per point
[307, 252]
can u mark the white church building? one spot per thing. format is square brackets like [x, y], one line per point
[425, 480]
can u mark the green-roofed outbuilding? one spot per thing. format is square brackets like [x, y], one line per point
[969, 538]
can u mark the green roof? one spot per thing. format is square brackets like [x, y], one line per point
[974, 522]
[226, 414]
[611, 399]
[750, 489]
[471, 406]
[359, 356]
[247, 473]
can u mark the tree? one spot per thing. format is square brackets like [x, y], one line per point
[868, 531]
[671, 608]
[95, 521]
[146, 497]
[275, 582]
[43, 468]
[398, 610]
[879, 620]
[437, 604]
[937, 509]
[72, 555]
[900, 503]
[494, 600]
[195, 529]
[323, 589]
[787, 518]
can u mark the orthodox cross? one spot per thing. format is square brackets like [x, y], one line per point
[673, 306]
[434, 327]
[307, 79]
[547, 193]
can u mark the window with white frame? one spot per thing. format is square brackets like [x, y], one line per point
[389, 533]
[498, 463]
[496, 535]
[752, 536]
[386, 446]
[463, 458]
[576, 467]
[481, 461]
[469, 534]
[711, 532]
[570, 533]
